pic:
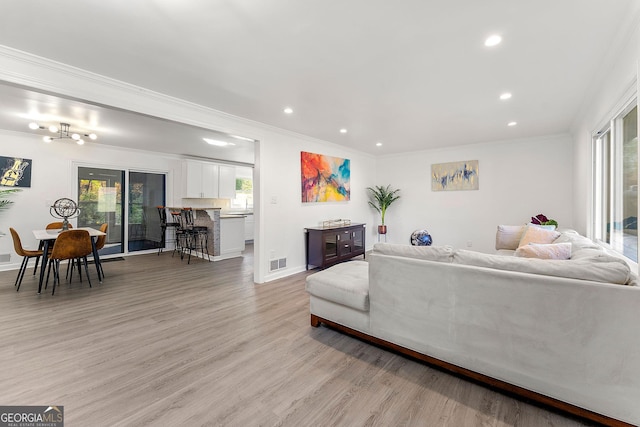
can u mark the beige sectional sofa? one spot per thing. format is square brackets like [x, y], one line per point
[562, 332]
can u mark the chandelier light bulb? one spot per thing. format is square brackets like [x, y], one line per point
[63, 131]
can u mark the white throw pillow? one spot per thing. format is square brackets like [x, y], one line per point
[508, 236]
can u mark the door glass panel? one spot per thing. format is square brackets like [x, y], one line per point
[100, 199]
[146, 193]
[330, 245]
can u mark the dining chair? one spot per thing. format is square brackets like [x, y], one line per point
[25, 254]
[100, 242]
[57, 225]
[70, 245]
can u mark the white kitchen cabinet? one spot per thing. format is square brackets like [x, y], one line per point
[248, 228]
[226, 182]
[231, 236]
[200, 180]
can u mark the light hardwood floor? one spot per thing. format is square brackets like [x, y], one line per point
[164, 343]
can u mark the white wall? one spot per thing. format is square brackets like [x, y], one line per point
[54, 175]
[616, 81]
[518, 179]
[284, 214]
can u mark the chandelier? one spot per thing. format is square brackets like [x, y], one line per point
[63, 131]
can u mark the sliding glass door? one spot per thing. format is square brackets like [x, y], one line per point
[100, 199]
[146, 193]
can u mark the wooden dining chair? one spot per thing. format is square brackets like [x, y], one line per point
[25, 254]
[70, 245]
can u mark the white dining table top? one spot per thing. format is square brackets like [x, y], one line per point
[54, 233]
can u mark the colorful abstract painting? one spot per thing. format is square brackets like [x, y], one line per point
[15, 172]
[455, 176]
[325, 178]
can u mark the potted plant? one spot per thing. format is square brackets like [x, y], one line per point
[4, 200]
[380, 198]
[541, 219]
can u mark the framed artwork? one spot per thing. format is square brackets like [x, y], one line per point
[324, 178]
[15, 172]
[455, 176]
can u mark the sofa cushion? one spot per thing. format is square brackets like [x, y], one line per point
[508, 236]
[430, 253]
[346, 283]
[534, 234]
[577, 241]
[598, 269]
[545, 251]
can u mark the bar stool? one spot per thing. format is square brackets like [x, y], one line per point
[162, 212]
[197, 235]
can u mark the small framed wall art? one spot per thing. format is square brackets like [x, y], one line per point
[455, 176]
[15, 172]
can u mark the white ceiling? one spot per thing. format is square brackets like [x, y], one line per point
[412, 74]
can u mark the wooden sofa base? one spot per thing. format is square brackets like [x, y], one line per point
[484, 379]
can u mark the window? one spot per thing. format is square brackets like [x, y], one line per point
[244, 189]
[615, 202]
[244, 194]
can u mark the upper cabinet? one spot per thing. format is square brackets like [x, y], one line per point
[203, 180]
[226, 182]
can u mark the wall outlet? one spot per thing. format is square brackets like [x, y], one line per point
[5, 257]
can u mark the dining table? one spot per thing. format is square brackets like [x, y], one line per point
[48, 238]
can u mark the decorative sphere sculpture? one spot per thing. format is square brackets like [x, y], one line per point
[421, 238]
[64, 209]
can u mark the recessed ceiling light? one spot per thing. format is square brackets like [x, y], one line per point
[217, 143]
[505, 95]
[343, 130]
[512, 123]
[378, 144]
[288, 110]
[34, 126]
[493, 40]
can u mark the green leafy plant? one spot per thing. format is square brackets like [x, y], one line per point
[5, 202]
[541, 219]
[380, 198]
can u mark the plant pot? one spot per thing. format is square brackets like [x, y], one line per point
[382, 229]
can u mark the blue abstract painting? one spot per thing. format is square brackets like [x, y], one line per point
[455, 176]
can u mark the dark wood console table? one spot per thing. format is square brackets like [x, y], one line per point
[327, 246]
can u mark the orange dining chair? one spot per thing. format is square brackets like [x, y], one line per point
[51, 226]
[70, 245]
[25, 254]
[100, 242]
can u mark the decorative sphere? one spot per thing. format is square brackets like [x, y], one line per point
[65, 208]
[421, 238]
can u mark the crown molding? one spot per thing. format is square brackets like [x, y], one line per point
[45, 75]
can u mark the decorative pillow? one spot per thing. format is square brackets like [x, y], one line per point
[508, 236]
[545, 251]
[533, 234]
